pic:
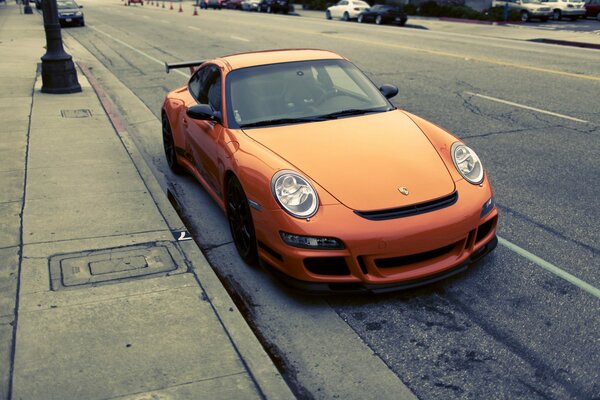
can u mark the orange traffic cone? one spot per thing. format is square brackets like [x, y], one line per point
[180, 8]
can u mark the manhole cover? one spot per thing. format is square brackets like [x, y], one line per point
[81, 113]
[116, 264]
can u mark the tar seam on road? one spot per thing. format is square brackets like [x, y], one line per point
[550, 267]
[136, 50]
[510, 103]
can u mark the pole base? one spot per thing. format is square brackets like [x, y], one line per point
[59, 76]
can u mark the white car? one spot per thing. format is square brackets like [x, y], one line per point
[572, 9]
[346, 9]
[527, 8]
[250, 5]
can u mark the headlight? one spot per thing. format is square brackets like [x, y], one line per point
[78, 13]
[294, 194]
[467, 163]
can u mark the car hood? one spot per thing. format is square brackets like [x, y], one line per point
[363, 161]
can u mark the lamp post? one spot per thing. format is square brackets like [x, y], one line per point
[58, 71]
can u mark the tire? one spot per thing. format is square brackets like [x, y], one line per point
[360, 19]
[556, 15]
[327, 14]
[169, 147]
[524, 16]
[346, 16]
[378, 20]
[240, 222]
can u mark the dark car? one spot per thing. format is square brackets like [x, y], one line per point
[69, 13]
[216, 4]
[383, 14]
[592, 9]
[232, 4]
[275, 6]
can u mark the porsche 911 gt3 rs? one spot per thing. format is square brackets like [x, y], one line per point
[323, 180]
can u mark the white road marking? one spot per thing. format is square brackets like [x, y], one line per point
[510, 103]
[137, 51]
[550, 267]
[194, 28]
[240, 38]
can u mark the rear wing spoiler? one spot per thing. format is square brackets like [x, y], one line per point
[192, 65]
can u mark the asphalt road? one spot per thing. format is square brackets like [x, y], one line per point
[508, 328]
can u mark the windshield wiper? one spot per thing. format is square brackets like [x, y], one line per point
[351, 111]
[283, 121]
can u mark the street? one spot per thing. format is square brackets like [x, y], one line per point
[522, 323]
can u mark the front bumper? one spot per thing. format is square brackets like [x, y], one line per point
[377, 255]
[70, 19]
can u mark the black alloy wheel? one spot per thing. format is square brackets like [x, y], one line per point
[169, 146]
[240, 222]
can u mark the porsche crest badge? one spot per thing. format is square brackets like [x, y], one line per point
[403, 190]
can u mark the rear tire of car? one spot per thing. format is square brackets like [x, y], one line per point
[240, 222]
[378, 20]
[524, 16]
[327, 14]
[556, 15]
[346, 17]
[169, 147]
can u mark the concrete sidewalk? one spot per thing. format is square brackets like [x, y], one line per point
[98, 298]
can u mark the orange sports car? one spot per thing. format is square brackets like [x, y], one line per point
[322, 179]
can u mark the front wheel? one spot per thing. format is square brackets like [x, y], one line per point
[524, 16]
[240, 222]
[556, 15]
[346, 17]
[327, 14]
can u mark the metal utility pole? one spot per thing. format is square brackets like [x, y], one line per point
[58, 71]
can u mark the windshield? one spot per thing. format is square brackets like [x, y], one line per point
[66, 4]
[299, 92]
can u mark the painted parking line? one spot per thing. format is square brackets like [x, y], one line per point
[594, 291]
[510, 103]
[137, 51]
[239, 38]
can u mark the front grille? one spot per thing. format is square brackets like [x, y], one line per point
[411, 210]
[395, 262]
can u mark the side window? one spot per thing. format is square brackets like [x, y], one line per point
[205, 86]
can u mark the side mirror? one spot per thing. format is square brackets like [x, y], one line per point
[388, 91]
[203, 112]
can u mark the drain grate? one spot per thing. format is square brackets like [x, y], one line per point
[114, 265]
[81, 113]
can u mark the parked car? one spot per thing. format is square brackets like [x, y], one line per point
[232, 4]
[528, 9]
[130, 2]
[69, 13]
[592, 9]
[346, 10]
[250, 5]
[214, 4]
[274, 137]
[383, 14]
[275, 6]
[571, 9]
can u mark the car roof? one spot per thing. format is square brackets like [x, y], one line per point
[243, 60]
